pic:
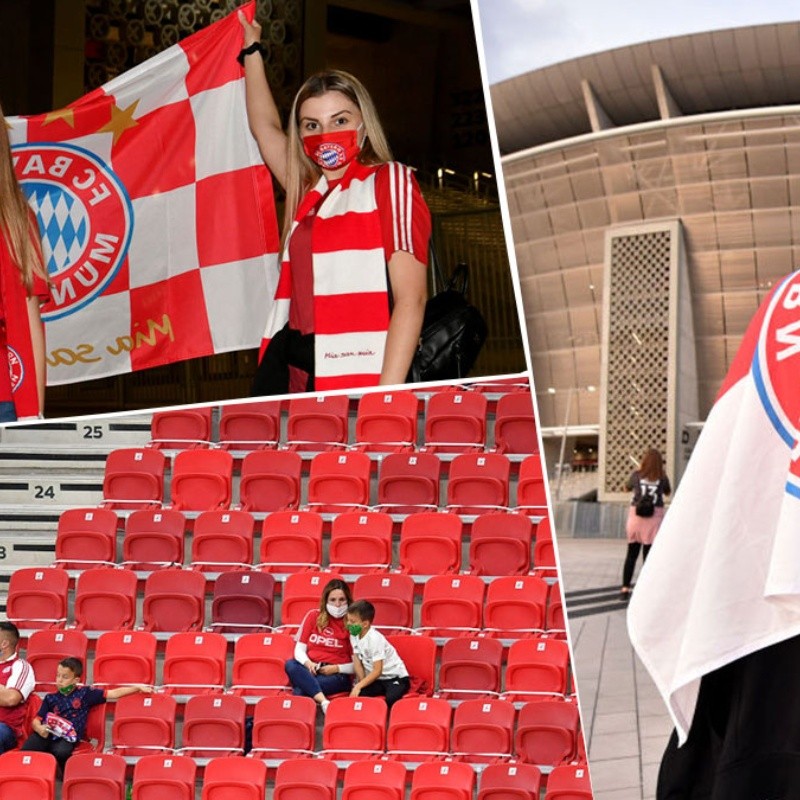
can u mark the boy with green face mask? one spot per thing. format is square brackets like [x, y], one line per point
[61, 720]
[380, 672]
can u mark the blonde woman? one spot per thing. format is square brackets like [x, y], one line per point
[351, 295]
[23, 288]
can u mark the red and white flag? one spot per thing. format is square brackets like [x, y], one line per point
[156, 211]
[723, 578]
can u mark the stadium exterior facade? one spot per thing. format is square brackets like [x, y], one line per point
[654, 194]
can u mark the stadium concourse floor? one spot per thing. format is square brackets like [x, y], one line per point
[625, 722]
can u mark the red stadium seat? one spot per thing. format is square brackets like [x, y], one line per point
[86, 538]
[515, 424]
[154, 538]
[547, 732]
[94, 776]
[270, 480]
[27, 774]
[430, 543]
[531, 489]
[500, 544]
[37, 597]
[174, 600]
[181, 428]
[361, 541]
[536, 668]
[134, 478]
[94, 737]
[419, 655]
[419, 728]
[195, 663]
[478, 482]
[569, 782]
[393, 598]
[105, 599]
[374, 780]
[436, 780]
[409, 482]
[317, 423]
[544, 556]
[46, 648]
[144, 724]
[222, 540]
[452, 604]
[339, 482]
[124, 657]
[305, 779]
[455, 422]
[242, 602]
[510, 782]
[355, 728]
[291, 541]
[213, 725]
[284, 727]
[555, 610]
[544, 532]
[470, 668]
[258, 664]
[482, 730]
[250, 426]
[157, 777]
[301, 593]
[234, 778]
[515, 606]
[387, 421]
[201, 480]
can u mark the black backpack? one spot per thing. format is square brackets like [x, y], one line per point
[645, 505]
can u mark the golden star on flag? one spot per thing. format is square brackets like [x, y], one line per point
[67, 114]
[121, 120]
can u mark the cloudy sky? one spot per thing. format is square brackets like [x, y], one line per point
[521, 35]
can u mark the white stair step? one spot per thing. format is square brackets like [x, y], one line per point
[108, 432]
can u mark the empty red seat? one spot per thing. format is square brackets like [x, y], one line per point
[291, 541]
[374, 780]
[46, 648]
[355, 727]
[470, 667]
[515, 424]
[174, 600]
[222, 540]
[555, 611]
[531, 489]
[569, 782]
[435, 780]
[305, 779]
[547, 732]
[143, 723]
[544, 556]
[317, 423]
[134, 478]
[301, 593]
[258, 663]
[500, 544]
[338, 482]
[250, 426]
[419, 655]
[94, 776]
[361, 541]
[478, 482]
[37, 597]
[154, 538]
[195, 662]
[284, 726]
[419, 728]
[124, 657]
[409, 482]
[27, 774]
[242, 602]
[270, 480]
[86, 538]
[515, 606]
[157, 777]
[181, 428]
[455, 422]
[510, 782]
[234, 778]
[393, 598]
[387, 421]
[536, 668]
[213, 725]
[452, 604]
[483, 730]
[105, 599]
[430, 543]
[201, 480]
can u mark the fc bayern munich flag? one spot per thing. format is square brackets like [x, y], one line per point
[723, 578]
[156, 211]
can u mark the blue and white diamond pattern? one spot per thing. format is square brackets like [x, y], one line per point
[63, 222]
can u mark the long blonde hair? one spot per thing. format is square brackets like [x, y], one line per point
[301, 172]
[17, 224]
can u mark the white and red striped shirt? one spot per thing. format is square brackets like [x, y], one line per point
[16, 673]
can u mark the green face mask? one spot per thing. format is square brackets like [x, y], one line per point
[66, 689]
[355, 630]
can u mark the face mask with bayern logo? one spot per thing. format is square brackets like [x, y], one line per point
[332, 150]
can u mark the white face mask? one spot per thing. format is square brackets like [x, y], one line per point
[337, 612]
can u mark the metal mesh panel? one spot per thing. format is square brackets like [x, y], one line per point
[638, 352]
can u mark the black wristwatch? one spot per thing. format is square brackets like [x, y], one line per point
[256, 47]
